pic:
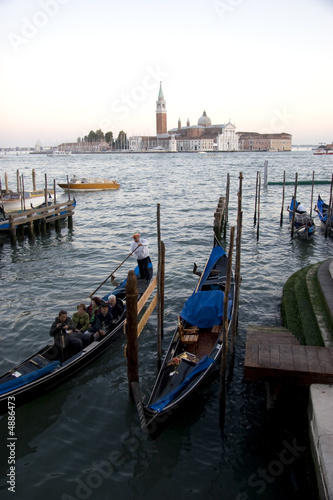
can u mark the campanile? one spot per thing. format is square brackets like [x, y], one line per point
[161, 113]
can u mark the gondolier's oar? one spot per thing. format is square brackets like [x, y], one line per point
[128, 256]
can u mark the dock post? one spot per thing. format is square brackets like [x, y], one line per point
[131, 330]
[6, 182]
[160, 302]
[283, 193]
[237, 277]
[43, 226]
[224, 353]
[255, 202]
[12, 230]
[312, 186]
[18, 180]
[259, 188]
[294, 210]
[31, 230]
[225, 221]
[33, 179]
[265, 174]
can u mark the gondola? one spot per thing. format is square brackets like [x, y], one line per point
[195, 348]
[44, 370]
[304, 225]
[322, 210]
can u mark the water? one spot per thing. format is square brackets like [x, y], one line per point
[83, 440]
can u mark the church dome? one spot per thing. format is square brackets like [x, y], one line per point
[204, 121]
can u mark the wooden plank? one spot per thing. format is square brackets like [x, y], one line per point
[286, 358]
[264, 356]
[325, 361]
[280, 338]
[275, 356]
[300, 359]
[146, 315]
[147, 294]
[313, 360]
[251, 356]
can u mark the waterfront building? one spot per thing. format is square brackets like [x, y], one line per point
[253, 141]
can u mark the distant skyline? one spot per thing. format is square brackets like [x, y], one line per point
[70, 66]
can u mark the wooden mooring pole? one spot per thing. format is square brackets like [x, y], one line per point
[131, 330]
[255, 201]
[329, 213]
[225, 218]
[237, 277]
[294, 207]
[224, 353]
[259, 188]
[283, 194]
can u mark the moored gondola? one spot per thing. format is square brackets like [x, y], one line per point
[325, 215]
[304, 226]
[195, 348]
[47, 368]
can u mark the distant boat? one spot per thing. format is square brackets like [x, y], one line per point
[13, 201]
[84, 184]
[59, 153]
[324, 150]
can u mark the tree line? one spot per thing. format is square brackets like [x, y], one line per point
[120, 143]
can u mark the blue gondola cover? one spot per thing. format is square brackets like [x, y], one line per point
[29, 377]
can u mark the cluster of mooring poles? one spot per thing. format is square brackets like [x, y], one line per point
[37, 220]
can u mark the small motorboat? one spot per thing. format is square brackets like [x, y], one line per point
[84, 184]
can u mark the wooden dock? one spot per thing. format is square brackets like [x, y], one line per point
[37, 220]
[274, 355]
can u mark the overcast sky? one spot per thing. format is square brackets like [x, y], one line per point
[71, 66]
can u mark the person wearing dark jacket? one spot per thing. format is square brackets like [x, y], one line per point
[104, 322]
[62, 330]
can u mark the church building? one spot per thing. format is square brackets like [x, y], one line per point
[201, 137]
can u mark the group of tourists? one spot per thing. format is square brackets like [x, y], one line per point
[71, 335]
[92, 323]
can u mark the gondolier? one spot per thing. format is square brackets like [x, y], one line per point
[139, 247]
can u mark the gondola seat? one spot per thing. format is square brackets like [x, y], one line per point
[188, 335]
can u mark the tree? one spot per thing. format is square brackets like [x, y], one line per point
[121, 142]
[92, 137]
[109, 137]
[99, 135]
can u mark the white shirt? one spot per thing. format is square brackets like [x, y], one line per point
[142, 251]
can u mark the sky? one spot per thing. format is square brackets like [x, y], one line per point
[71, 66]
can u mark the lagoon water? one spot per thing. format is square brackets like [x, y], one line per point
[83, 440]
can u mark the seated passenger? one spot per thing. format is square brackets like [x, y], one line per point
[116, 307]
[93, 309]
[81, 318]
[104, 322]
[62, 330]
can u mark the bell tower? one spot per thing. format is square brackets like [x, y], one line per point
[161, 113]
